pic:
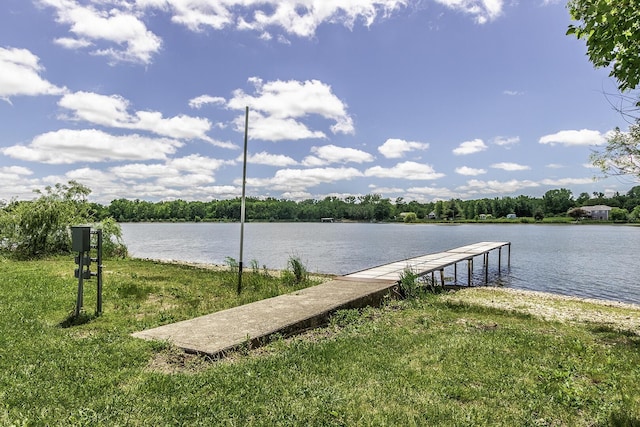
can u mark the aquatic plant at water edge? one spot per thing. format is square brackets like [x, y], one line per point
[296, 273]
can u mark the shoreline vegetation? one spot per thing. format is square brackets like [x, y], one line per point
[556, 205]
[479, 356]
[522, 220]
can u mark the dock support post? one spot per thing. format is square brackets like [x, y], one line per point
[499, 260]
[469, 271]
[486, 268]
[509, 257]
[455, 273]
[442, 277]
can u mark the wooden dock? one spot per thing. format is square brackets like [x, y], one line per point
[252, 324]
[437, 262]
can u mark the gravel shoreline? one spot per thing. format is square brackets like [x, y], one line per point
[553, 307]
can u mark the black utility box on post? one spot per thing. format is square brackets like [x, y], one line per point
[81, 245]
[81, 239]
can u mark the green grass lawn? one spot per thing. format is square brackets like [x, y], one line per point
[432, 361]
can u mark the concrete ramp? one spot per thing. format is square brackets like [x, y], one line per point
[223, 331]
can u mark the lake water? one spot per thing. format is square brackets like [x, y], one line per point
[593, 261]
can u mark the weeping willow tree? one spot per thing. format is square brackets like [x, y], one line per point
[41, 227]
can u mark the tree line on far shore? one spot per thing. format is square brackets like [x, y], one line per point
[371, 207]
[40, 227]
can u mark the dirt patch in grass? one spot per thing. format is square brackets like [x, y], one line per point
[174, 360]
[621, 316]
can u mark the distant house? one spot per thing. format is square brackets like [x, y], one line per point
[599, 212]
[485, 216]
[432, 215]
[511, 216]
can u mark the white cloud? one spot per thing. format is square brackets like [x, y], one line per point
[296, 17]
[141, 171]
[575, 138]
[224, 144]
[21, 75]
[470, 147]
[283, 40]
[188, 180]
[465, 170]
[111, 111]
[269, 128]
[394, 148]
[72, 44]
[566, 181]
[278, 107]
[197, 164]
[265, 158]
[507, 166]
[298, 195]
[154, 190]
[121, 34]
[405, 170]
[192, 165]
[15, 171]
[556, 166]
[104, 185]
[506, 141]
[202, 100]
[89, 146]
[512, 93]
[328, 154]
[299, 180]
[424, 194]
[482, 10]
[385, 190]
[475, 186]
[16, 182]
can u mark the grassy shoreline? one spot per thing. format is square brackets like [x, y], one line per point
[482, 356]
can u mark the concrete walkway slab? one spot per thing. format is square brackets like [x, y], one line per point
[217, 333]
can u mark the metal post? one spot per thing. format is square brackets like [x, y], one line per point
[80, 283]
[242, 205]
[99, 273]
[499, 260]
[469, 271]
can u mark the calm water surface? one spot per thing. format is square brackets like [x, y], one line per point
[595, 261]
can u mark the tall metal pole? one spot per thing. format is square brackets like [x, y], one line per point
[242, 205]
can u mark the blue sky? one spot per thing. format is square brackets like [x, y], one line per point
[421, 99]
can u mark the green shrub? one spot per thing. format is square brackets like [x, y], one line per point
[41, 227]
